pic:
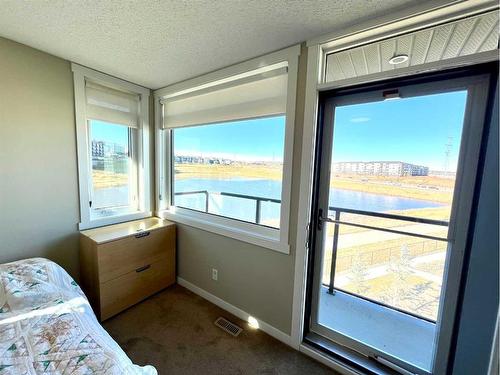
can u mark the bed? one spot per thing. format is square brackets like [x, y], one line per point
[48, 327]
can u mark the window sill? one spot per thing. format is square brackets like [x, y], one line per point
[246, 232]
[116, 219]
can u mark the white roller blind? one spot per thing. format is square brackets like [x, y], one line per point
[110, 105]
[255, 96]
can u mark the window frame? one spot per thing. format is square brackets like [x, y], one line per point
[270, 238]
[139, 144]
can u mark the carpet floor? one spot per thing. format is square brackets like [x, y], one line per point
[174, 331]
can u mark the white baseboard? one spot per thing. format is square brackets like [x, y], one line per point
[263, 326]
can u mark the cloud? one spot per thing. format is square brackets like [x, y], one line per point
[359, 119]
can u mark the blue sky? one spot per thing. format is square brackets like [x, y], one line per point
[103, 131]
[414, 130]
[259, 139]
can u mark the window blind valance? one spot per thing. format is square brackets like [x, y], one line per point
[255, 96]
[110, 105]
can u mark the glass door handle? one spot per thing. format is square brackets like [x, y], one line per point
[322, 219]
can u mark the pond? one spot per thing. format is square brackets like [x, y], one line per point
[244, 209]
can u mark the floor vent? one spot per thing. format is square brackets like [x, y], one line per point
[227, 326]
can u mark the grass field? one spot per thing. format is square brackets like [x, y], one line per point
[428, 188]
[271, 171]
[103, 179]
[435, 213]
[367, 270]
[377, 253]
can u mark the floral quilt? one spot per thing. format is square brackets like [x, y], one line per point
[48, 327]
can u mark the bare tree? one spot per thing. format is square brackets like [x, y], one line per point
[399, 269]
[358, 274]
[419, 298]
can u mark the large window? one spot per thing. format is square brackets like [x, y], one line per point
[113, 160]
[225, 143]
[233, 169]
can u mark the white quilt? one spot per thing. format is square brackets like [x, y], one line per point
[48, 327]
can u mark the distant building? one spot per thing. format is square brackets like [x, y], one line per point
[201, 160]
[101, 149]
[97, 149]
[380, 168]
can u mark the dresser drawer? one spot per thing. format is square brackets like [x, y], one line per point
[122, 264]
[124, 291]
[125, 255]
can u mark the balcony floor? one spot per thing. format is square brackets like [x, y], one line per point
[397, 334]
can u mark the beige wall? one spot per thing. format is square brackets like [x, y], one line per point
[258, 281]
[38, 169]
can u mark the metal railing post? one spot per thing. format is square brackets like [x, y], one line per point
[334, 252]
[206, 201]
[257, 211]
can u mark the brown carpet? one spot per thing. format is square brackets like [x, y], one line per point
[175, 332]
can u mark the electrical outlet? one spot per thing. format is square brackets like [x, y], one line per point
[215, 274]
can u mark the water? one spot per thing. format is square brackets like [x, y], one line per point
[244, 209]
[359, 200]
[238, 208]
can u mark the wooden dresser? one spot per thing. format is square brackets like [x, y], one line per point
[123, 264]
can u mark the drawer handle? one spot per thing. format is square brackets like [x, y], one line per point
[143, 268]
[142, 234]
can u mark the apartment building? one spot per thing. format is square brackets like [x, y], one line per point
[380, 168]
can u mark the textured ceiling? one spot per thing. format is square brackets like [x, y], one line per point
[155, 43]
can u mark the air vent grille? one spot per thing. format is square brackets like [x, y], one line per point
[227, 326]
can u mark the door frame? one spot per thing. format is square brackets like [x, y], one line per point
[415, 18]
[454, 267]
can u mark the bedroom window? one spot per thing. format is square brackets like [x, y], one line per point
[113, 156]
[225, 143]
[232, 169]
[114, 176]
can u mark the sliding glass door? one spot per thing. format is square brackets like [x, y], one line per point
[394, 181]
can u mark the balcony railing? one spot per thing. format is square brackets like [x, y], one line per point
[334, 217]
[336, 220]
[258, 200]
